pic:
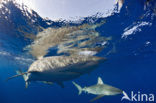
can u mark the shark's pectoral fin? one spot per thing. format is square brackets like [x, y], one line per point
[49, 83]
[97, 97]
[60, 84]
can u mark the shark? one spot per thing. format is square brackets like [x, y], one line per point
[57, 69]
[100, 89]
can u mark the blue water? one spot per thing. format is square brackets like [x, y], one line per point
[131, 67]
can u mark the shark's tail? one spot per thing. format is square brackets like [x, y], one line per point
[20, 73]
[78, 87]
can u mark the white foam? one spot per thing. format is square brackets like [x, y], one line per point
[18, 59]
[134, 28]
[87, 53]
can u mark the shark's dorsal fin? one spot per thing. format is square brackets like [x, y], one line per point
[100, 81]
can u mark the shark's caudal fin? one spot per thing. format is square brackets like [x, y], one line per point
[21, 74]
[78, 87]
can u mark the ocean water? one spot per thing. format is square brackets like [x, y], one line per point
[130, 54]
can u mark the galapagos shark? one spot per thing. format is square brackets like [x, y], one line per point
[57, 69]
[100, 89]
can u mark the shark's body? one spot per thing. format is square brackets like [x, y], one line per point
[100, 89]
[58, 69]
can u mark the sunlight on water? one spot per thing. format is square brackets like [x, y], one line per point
[70, 39]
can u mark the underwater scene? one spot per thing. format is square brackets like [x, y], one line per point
[101, 57]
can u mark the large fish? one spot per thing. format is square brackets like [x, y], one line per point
[58, 69]
[100, 89]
